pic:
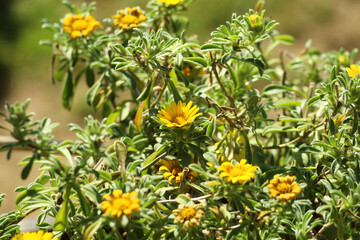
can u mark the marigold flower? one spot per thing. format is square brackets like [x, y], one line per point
[353, 70]
[170, 2]
[78, 25]
[240, 173]
[39, 235]
[178, 115]
[256, 20]
[119, 203]
[173, 172]
[189, 215]
[285, 187]
[129, 17]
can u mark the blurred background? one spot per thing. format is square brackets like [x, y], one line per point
[25, 65]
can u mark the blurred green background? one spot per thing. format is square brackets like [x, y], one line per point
[25, 65]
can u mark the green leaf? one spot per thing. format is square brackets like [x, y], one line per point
[25, 172]
[314, 100]
[92, 229]
[332, 126]
[355, 121]
[211, 129]
[196, 60]
[211, 47]
[68, 90]
[284, 39]
[61, 217]
[182, 199]
[90, 76]
[233, 74]
[145, 93]
[256, 62]
[274, 89]
[160, 150]
[174, 90]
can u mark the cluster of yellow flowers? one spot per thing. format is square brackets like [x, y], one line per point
[78, 25]
[40, 235]
[129, 18]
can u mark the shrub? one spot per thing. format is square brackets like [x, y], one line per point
[220, 140]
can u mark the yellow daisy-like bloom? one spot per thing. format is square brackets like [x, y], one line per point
[78, 25]
[353, 70]
[240, 173]
[40, 235]
[178, 115]
[119, 203]
[170, 2]
[189, 215]
[129, 18]
[255, 20]
[285, 187]
[173, 172]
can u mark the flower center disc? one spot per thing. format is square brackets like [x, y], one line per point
[121, 204]
[284, 188]
[187, 213]
[237, 172]
[79, 25]
[128, 19]
[179, 120]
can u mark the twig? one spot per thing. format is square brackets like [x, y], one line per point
[231, 99]
[229, 228]
[322, 229]
[192, 199]
[284, 145]
[352, 214]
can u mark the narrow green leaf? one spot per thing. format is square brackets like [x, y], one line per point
[145, 93]
[196, 60]
[174, 90]
[68, 90]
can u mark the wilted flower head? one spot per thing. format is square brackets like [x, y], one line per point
[173, 172]
[39, 235]
[239, 173]
[353, 70]
[189, 215]
[119, 203]
[78, 25]
[285, 187]
[170, 2]
[178, 115]
[129, 18]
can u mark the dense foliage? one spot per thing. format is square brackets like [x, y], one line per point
[215, 140]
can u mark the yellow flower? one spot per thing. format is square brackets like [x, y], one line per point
[129, 17]
[189, 215]
[40, 235]
[119, 203]
[255, 20]
[285, 187]
[178, 115]
[173, 172]
[78, 25]
[240, 173]
[353, 70]
[170, 2]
